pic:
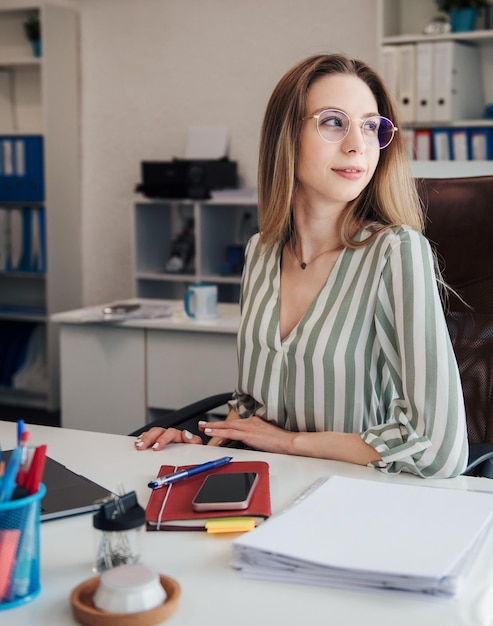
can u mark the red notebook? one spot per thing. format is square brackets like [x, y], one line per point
[170, 508]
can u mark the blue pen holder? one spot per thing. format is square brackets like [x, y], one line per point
[19, 550]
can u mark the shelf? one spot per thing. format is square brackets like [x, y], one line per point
[23, 317]
[21, 275]
[219, 225]
[220, 279]
[6, 62]
[162, 276]
[437, 83]
[42, 94]
[19, 397]
[476, 37]
[482, 123]
[189, 278]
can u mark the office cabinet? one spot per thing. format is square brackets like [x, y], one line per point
[217, 229]
[118, 376]
[439, 81]
[40, 266]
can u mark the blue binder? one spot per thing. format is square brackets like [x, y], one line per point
[481, 143]
[21, 168]
[33, 176]
[441, 144]
[37, 257]
[20, 239]
[7, 170]
[27, 240]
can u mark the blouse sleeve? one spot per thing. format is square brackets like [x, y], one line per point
[425, 428]
[244, 404]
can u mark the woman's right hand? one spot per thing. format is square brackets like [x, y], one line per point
[157, 438]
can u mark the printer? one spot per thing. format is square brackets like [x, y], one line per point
[187, 178]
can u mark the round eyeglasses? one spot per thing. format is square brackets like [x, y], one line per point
[333, 125]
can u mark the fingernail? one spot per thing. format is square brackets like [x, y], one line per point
[208, 430]
[155, 446]
[202, 423]
[188, 434]
[139, 443]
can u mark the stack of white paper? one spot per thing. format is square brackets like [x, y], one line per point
[358, 534]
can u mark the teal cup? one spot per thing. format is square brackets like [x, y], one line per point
[201, 301]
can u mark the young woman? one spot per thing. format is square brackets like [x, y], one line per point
[343, 348]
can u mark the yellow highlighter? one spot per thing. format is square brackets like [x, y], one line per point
[230, 525]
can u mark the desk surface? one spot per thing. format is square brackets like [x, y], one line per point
[212, 592]
[227, 320]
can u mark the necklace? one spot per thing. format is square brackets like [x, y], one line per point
[303, 264]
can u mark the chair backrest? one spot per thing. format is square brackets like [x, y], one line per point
[459, 225]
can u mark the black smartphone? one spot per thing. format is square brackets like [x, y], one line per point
[120, 308]
[226, 492]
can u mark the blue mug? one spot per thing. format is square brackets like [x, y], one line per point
[201, 301]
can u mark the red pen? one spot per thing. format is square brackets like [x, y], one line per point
[36, 470]
[27, 455]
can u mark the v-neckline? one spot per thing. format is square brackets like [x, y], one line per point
[329, 280]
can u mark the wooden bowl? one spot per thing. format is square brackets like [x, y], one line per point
[84, 611]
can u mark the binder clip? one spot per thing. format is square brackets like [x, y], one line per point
[122, 521]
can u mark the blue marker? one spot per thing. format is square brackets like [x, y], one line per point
[20, 429]
[9, 479]
[192, 471]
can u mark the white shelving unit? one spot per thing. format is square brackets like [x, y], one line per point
[402, 22]
[217, 225]
[42, 95]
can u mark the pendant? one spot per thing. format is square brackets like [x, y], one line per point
[303, 265]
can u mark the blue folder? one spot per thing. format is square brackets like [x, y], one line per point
[481, 143]
[21, 168]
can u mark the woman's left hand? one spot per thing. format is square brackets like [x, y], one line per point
[157, 438]
[253, 432]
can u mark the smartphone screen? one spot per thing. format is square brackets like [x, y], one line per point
[226, 492]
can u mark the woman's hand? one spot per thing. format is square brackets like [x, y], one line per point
[256, 433]
[253, 432]
[157, 438]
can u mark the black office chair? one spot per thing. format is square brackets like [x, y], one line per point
[459, 226]
[189, 414]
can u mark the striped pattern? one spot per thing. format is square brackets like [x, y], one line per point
[372, 355]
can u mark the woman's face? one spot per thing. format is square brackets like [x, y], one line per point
[336, 173]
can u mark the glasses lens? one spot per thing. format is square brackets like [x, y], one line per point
[378, 130]
[333, 125]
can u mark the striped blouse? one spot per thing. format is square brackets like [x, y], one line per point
[372, 355]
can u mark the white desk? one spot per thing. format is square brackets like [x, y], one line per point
[212, 592]
[114, 377]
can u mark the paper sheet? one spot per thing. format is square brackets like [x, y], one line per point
[357, 533]
[206, 143]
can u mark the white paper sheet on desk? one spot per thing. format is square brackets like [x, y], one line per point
[368, 534]
[147, 311]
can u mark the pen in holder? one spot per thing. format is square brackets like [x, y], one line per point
[19, 549]
[122, 521]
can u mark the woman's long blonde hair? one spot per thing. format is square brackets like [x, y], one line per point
[389, 199]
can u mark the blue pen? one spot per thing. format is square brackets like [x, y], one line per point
[192, 471]
[20, 429]
[9, 478]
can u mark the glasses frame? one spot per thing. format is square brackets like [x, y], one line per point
[316, 117]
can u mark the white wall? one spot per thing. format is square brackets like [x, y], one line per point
[152, 68]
